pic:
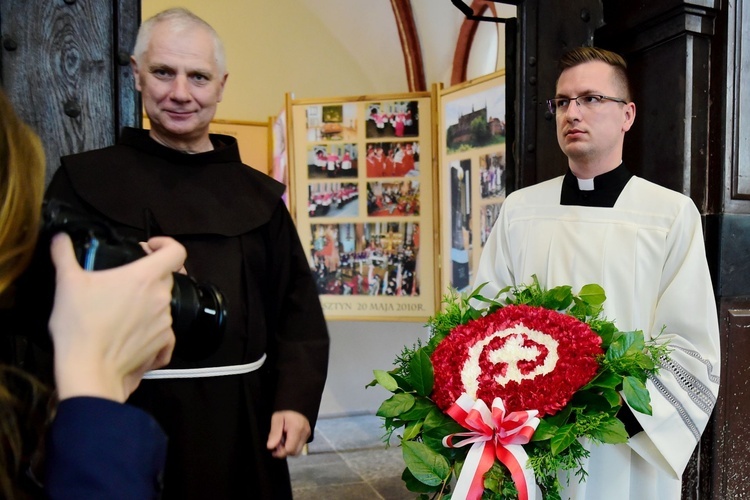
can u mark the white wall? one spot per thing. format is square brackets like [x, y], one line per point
[358, 348]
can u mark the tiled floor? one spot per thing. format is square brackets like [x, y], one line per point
[348, 461]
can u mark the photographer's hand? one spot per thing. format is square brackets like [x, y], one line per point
[110, 327]
[146, 246]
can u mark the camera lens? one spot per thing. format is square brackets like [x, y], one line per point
[199, 311]
[199, 315]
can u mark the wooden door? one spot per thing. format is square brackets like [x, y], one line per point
[65, 66]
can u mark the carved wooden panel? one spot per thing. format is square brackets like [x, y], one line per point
[58, 67]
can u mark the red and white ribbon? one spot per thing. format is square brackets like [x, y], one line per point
[493, 433]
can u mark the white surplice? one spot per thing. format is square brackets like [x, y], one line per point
[647, 252]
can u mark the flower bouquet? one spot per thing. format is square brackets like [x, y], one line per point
[497, 398]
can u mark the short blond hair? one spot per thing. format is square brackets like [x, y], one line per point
[583, 55]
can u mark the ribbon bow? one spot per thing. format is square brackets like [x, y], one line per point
[493, 434]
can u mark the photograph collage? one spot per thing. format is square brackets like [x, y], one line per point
[472, 176]
[362, 173]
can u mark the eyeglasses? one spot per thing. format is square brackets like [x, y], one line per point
[589, 101]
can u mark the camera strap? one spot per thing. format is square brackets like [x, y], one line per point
[210, 371]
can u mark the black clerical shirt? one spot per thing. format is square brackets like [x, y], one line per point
[607, 188]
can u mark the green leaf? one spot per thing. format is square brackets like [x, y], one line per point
[558, 299]
[591, 400]
[420, 373]
[638, 344]
[606, 331]
[612, 396]
[475, 293]
[395, 405]
[611, 431]
[412, 430]
[427, 466]
[544, 430]
[636, 394]
[473, 314]
[579, 309]
[561, 417]
[422, 407]
[563, 438]
[402, 383]
[592, 295]
[605, 380]
[623, 343]
[643, 361]
[436, 426]
[414, 485]
[386, 380]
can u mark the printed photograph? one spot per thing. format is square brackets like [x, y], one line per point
[333, 199]
[332, 160]
[392, 159]
[280, 170]
[487, 216]
[331, 122]
[461, 237]
[492, 175]
[392, 198]
[366, 259]
[392, 119]
[475, 121]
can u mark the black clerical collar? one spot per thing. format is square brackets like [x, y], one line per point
[607, 188]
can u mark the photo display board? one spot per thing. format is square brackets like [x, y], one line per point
[279, 153]
[364, 204]
[472, 173]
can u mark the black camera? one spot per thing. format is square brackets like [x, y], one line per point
[199, 311]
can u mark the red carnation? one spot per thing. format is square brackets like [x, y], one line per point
[531, 357]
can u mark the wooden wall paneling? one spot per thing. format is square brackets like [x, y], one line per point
[58, 61]
[511, 104]
[669, 58]
[728, 242]
[526, 65]
[560, 27]
[126, 21]
[730, 467]
[736, 196]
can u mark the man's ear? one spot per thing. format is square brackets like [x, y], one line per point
[221, 88]
[628, 115]
[136, 73]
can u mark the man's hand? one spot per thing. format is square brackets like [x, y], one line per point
[289, 433]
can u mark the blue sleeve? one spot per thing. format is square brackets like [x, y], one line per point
[101, 449]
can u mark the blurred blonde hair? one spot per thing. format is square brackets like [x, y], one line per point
[21, 191]
[25, 414]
